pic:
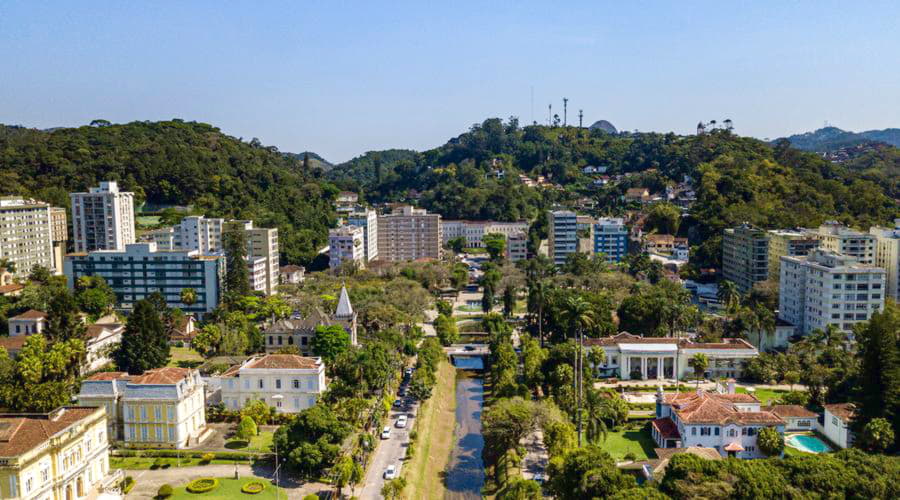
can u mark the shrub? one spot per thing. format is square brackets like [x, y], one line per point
[208, 457]
[157, 463]
[165, 491]
[630, 456]
[203, 485]
[179, 344]
[253, 487]
[128, 484]
[311, 497]
[246, 429]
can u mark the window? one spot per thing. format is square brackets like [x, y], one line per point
[296, 383]
[278, 404]
[311, 384]
[732, 432]
[296, 403]
[28, 484]
[144, 434]
[45, 473]
[834, 421]
[262, 384]
[143, 413]
[157, 411]
[693, 431]
[159, 434]
[171, 434]
[271, 340]
[246, 383]
[280, 340]
[291, 340]
[704, 431]
[278, 383]
[716, 431]
[170, 410]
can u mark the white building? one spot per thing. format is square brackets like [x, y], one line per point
[26, 237]
[256, 272]
[101, 340]
[261, 243]
[291, 274]
[199, 233]
[825, 288]
[29, 322]
[517, 246]
[838, 419]
[473, 231]
[140, 270]
[297, 380]
[657, 358]
[563, 235]
[837, 238]
[887, 256]
[796, 417]
[347, 246]
[102, 218]
[367, 219]
[727, 422]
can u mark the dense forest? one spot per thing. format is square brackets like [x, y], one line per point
[831, 138]
[175, 163]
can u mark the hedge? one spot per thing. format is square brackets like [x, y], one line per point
[202, 485]
[253, 487]
[218, 455]
[128, 484]
[165, 491]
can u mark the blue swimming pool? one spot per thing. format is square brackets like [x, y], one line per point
[809, 444]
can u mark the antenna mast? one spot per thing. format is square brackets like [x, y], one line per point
[580, 116]
[565, 107]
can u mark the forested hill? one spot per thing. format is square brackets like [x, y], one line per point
[832, 138]
[175, 162]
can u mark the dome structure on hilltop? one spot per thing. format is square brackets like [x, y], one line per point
[604, 126]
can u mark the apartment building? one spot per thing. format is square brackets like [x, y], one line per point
[347, 246]
[261, 243]
[26, 236]
[611, 238]
[887, 256]
[787, 242]
[562, 235]
[140, 269]
[286, 382]
[517, 246]
[59, 234]
[102, 218]
[745, 256]
[161, 408]
[199, 233]
[826, 288]
[409, 233]
[838, 238]
[367, 219]
[63, 454]
[473, 231]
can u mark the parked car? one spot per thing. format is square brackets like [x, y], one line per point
[539, 478]
[398, 403]
[401, 421]
[402, 391]
[390, 472]
[386, 432]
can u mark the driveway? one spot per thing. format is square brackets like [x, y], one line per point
[149, 481]
[388, 451]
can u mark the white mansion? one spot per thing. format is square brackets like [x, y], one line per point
[287, 382]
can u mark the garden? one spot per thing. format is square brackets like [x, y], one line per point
[226, 488]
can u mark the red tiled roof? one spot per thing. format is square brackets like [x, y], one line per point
[20, 433]
[843, 411]
[14, 344]
[715, 408]
[31, 314]
[108, 376]
[94, 331]
[285, 361]
[734, 446]
[290, 268]
[791, 411]
[666, 428]
[12, 287]
[738, 398]
[166, 375]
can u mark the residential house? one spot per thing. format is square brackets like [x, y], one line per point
[27, 323]
[184, 330]
[101, 339]
[287, 382]
[837, 421]
[796, 417]
[638, 194]
[291, 274]
[299, 331]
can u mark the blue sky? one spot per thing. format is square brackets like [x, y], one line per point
[342, 78]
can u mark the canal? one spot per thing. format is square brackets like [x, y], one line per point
[465, 473]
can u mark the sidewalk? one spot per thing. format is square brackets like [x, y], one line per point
[536, 456]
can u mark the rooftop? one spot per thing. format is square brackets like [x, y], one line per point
[705, 407]
[21, 432]
[791, 411]
[843, 411]
[30, 314]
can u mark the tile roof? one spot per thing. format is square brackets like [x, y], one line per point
[791, 411]
[843, 411]
[31, 314]
[666, 428]
[165, 375]
[22, 432]
[291, 268]
[627, 338]
[285, 361]
[12, 287]
[108, 376]
[15, 343]
[95, 331]
[712, 408]
[700, 451]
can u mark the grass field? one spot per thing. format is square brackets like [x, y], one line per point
[261, 443]
[184, 357]
[231, 488]
[620, 443]
[765, 396]
[434, 441]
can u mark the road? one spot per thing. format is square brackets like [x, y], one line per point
[536, 456]
[388, 451]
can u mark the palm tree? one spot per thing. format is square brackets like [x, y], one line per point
[579, 316]
[596, 413]
[765, 322]
[699, 362]
[728, 294]
[188, 296]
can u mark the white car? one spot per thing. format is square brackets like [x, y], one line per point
[386, 432]
[401, 421]
[539, 478]
[390, 472]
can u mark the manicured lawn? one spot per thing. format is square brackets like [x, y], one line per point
[261, 443]
[468, 308]
[765, 396]
[184, 357]
[141, 463]
[231, 488]
[475, 250]
[620, 443]
[147, 220]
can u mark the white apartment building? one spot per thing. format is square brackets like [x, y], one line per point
[563, 235]
[59, 233]
[409, 233]
[367, 219]
[199, 233]
[837, 238]
[286, 382]
[26, 236]
[517, 246]
[347, 246]
[474, 231]
[887, 256]
[261, 243]
[140, 269]
[102, 218]
[825, 288]
[256, 272]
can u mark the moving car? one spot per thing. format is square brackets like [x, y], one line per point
[386, 432]
[390, 472]
[401, 421]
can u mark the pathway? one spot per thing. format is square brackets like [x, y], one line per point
[536, 456]
[149, 481]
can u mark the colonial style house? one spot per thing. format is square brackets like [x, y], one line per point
[27, 323]
[634, 357]
[287, 382]
[101, 337]
[727, 422]
[298, 332]
[796, 417]
[836, 426]
[291, 274]
[161, 408]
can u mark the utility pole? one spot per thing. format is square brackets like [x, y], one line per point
[565, 108]
[580, 378]
[580, 116]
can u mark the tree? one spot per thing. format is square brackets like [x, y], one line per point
[537, 296]
[444, 307]
[587, 472]
[495, 244]
[237, 276]
[446, 330]
[521, 489]
[330, 342]
[663, 218]
[63, 320]
[487, 299]
[43, 375]
[879, 373]
[792, 377]
[457, 244]
[393, 489]
[699, 362]
[38, 274]
[877, 435]
[580, 317]
[345, 472]
[145, 343]
[770, 441]
[509, 300]
[246, 428]
[94, 296]
[505, 423]
[728, 294]
[188, 296]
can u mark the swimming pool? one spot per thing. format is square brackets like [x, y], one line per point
[809, 444]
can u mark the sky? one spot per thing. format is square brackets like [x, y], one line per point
[342, 78]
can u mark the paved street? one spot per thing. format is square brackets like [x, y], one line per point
[536, 456]
[149, 481]
[388, 451]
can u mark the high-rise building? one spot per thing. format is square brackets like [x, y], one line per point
[517, 246]
[26, 235]
[887, 255]
[368, 220]
[611, 238]
[199, 233]
[835, 237]
[826, 288]
[261, 243]
[346, 246]
[786, 242]
[562, 235]
[745, 256]
[409, 233]
[140, 269]
[59, 233]
[102, 218]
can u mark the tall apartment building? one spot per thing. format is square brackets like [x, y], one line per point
[826, 288]
[887, 255]
[562, 235]
[261, 243]
[473, 231]
[102, 218]
[409, 233]
[835, 237]
[199, 233]
[140, 269]
[26, 237]
[517, 246]
[368, 220]
[786, 242]
[346, 246]
[611, 238]
[745, 256]
[59, 233]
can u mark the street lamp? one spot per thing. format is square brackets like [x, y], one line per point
[277, 398]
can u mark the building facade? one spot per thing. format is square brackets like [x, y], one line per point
[367, 219]
[887, 256]
[140, 270]
[837, 238]
[59, 234]
[161, 408]
[517, 246]
[199, 233]
[611, 238]
[838, 419]
[786, 242]
[409, 233]
[102, 218]
[298, 331]
[286, 382]
[745, 256]
[262, 243]
[825, 288]
[473, 231]
[59, 455]
[562, 235]
[26, 236]
[347, 246]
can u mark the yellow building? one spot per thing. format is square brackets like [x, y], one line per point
[61, 455]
